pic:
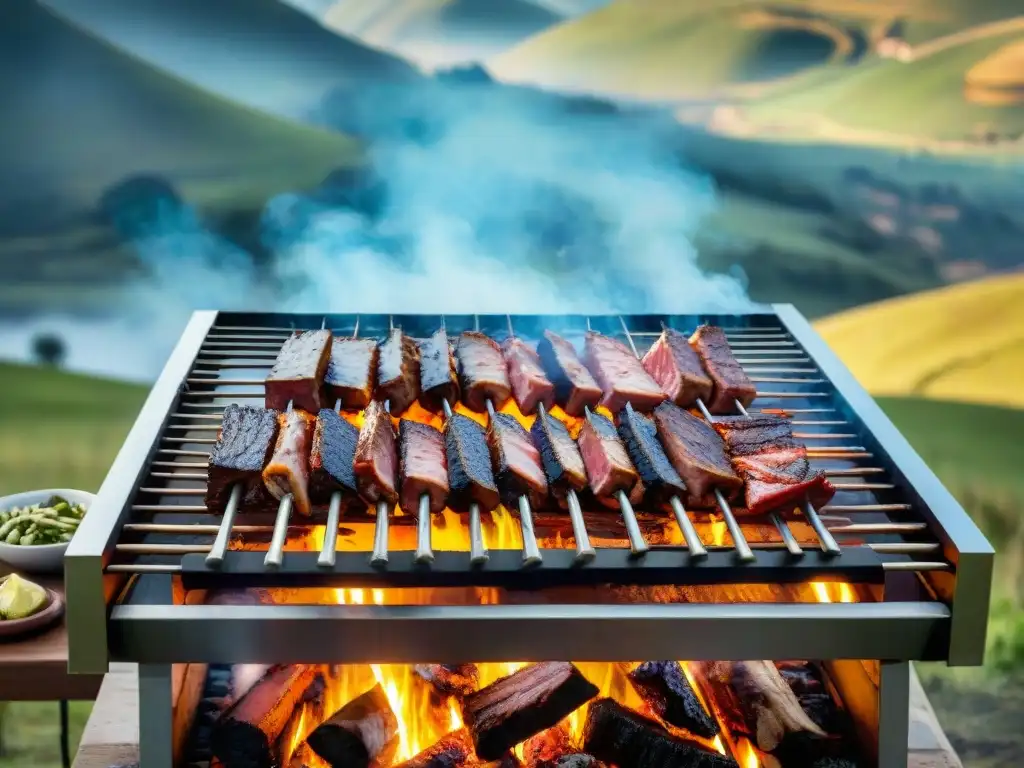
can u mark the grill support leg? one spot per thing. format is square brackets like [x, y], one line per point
[893, 713]
[156, 716]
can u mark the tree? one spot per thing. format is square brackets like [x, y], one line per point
[49, 349]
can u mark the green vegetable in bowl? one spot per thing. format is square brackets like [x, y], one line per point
[54, 522]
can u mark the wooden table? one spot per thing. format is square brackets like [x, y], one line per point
[112, 734]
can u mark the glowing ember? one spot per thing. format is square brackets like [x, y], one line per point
[747, 755]
[833, 593]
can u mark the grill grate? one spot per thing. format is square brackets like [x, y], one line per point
[870, 526]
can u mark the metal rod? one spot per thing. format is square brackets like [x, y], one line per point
[584, 551]
[788, 539]
[168, 549]
[531, 552]
[220, 544]
[327, 552]
[424, 552]
[637, 545]
[743, 550]
[380, 535]
[477, 549]
[142, 568]
[201, 529]
[174, 491]
[275, 554]
[862, 528]
[828, 544]
[854, 471]
[905, 548]
[840, 509]
[916, 566]
[693, 542]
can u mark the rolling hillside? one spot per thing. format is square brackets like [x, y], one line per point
[262, 53]
[962, 343]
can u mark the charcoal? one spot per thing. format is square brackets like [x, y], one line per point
[664, 688]
[450, 751]
[362, 733]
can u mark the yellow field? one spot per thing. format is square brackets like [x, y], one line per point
[964, 342]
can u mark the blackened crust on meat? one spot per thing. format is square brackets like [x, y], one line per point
[674, 364]
[517, 464]
[351, 372]
[660, 479]
[330, 461]
[731, 383]
[298, 372]
[575, 387]
[246, 439]
[438, 380]
[746, 435]
[560, 456]
[398, 371]
[482, 372]
[423, 466]
[698, 455]
[470, 478]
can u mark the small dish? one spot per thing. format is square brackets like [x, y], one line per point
[44, 558]
[49, 614]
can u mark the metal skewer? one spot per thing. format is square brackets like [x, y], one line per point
[379, 556]
[477, 549]
[327, 553]
[275, 552]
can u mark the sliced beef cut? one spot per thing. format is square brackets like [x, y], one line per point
[747, 435]
[560, 456]
[398, 371]
[676, 367]
[609, 468]
[470, 478]
[698, 454]
[575, 387]
[482, 372]
[620, 374]
[660, 480]
[298, 372]
[730, 382]
[331, 458]
[350, 373]
[530, 385]
[423, 466]
[246, 439]
[516, 460]
[438, 380]
[376, 459]
[287, 472]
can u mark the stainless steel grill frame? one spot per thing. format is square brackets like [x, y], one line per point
[107, 622]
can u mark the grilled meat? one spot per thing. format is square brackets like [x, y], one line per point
[244, 444]
[438, 381]
[350, 373]
[470, 478]
[287, 472]
[609, 469]
[423, 466]
[560, 457]
[376, 460]
[575, 387]
[331, 459]
[676, 367]
[398, 371]
[299, 371]
[773, 465]
[518, 471]
[730, 382]
[620, 374]
[530, 385]
[698, 454]
[660, 479]
[482, 371]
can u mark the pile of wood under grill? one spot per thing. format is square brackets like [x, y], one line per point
[524, 720]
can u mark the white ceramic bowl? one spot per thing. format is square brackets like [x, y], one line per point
[45, 558]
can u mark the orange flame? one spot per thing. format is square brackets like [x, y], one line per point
[747, 755]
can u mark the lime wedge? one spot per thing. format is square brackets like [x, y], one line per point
[19, 598]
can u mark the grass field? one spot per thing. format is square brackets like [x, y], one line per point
[964, 342]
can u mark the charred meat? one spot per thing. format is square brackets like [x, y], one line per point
[298, 372]
[350, 373]
[730, 382]
[530, 385]
[287, 472]
[559, 455]
[660, 480]
[246, 439]
[609, 469]
[438, 380]
[620, 374]
[664, 688]
[517, 465]
[398, 371]
[470, 478]
[698, 454]
[575, 388]
[482, 372]
[332, 457]
[376, 460]
[423, 466]
[676, 367]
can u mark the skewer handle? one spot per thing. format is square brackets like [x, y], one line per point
[828, 542]
[424, 553]
[693, 542]
[743, 551]
[637, 545]
[792, 545]
[477, 550]
[275, 554]
[380, 536]
[220, 544]
[584, 551]
[531, 552]
[326, 558]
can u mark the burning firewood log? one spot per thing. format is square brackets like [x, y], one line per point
[616, 734]
[450, 751]
[553, 748]
[450, 679]
[361, 733]
[664, 688]
[807, 682]
[247, 733]
[513, 708]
